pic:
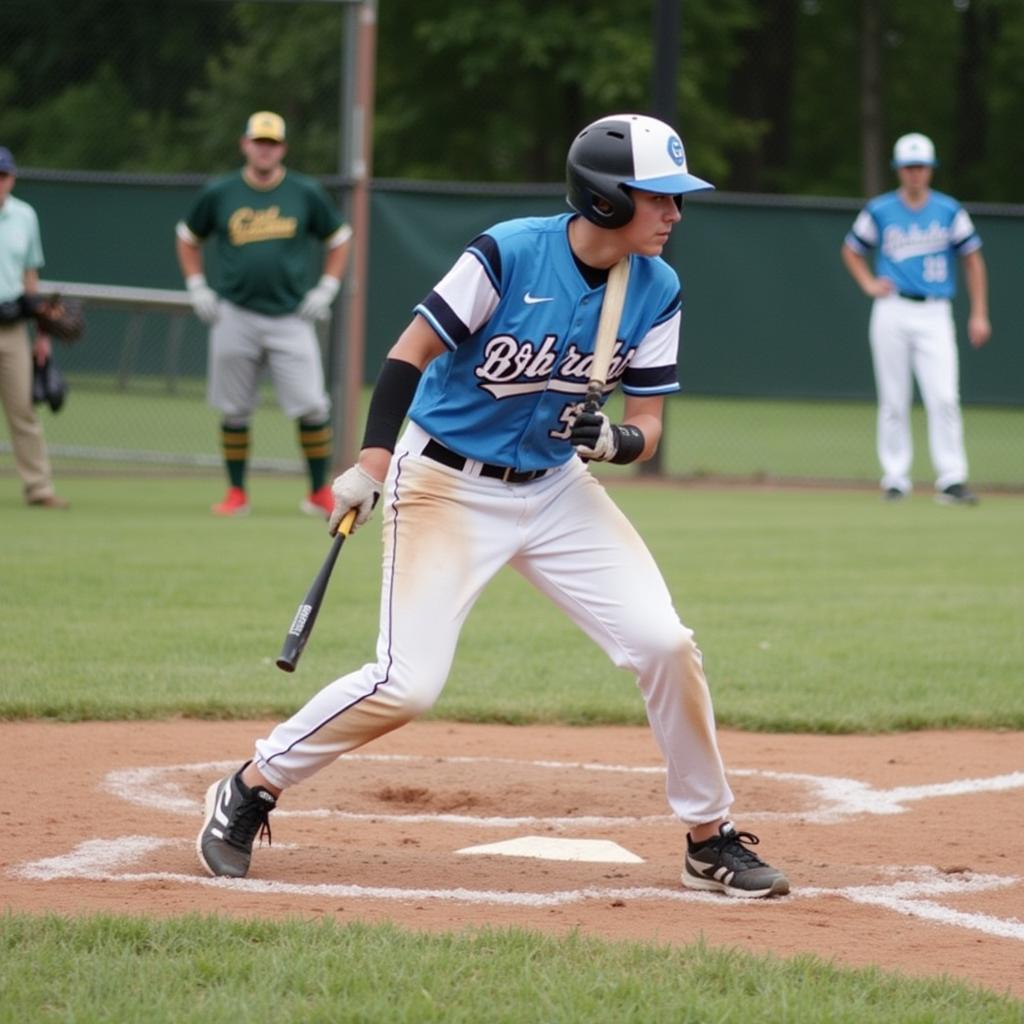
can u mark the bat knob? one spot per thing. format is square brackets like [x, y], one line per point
[592, 399]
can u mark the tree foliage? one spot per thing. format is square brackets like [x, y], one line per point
[769, 92]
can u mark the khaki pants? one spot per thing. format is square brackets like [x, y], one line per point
[30, 456]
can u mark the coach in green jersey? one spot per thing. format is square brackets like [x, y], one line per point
[263, 221]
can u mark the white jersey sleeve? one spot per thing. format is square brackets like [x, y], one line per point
[864, 233]
[962, 234]
[462, 301]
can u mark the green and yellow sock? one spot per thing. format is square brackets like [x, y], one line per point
[315, 439]
[234, 440]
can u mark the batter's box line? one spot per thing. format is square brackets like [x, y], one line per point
[104, 860]
[831, 799]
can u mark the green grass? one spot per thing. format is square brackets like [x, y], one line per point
[821, 610]
[825, 440]
[211, 970]
[704, 436]
[818, 610]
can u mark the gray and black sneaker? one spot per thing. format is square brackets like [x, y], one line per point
[724, 864]
[234, 815]
[956, 494]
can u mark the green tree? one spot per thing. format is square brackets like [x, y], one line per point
[770, 92]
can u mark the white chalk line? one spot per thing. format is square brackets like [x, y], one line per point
[830, 799]
[912, 895]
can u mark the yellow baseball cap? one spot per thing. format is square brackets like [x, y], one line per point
[265, 124]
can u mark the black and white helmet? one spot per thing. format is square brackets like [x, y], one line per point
[621, 152]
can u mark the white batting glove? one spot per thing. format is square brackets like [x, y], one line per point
[317, 303]
[594, 437]
[355, 488]
[205, 300]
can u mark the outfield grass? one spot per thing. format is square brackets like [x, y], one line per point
[816, 610]
[209, 970]
[704, 436]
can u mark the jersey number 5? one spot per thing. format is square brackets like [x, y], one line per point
[566, 416]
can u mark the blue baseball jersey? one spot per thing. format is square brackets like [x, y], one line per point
[916, 249]
[519, 321]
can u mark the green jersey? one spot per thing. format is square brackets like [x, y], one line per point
[263, 238]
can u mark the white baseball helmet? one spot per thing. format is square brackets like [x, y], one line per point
[623, 152]
[913, 149]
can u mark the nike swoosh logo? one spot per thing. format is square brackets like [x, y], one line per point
[531, 299]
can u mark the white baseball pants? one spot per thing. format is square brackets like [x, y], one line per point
[446, 534]
[917, 340]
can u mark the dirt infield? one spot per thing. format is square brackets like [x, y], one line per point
[898, 847]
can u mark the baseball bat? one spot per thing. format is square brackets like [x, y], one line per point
[305, 616]
[607, 330]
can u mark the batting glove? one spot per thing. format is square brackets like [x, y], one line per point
[317, 303]
[355, 488]
[594, 437]
[597, 439]
[205, 300]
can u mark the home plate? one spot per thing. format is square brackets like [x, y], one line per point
[545, 848]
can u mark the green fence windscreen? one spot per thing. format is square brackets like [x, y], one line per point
[769, 309]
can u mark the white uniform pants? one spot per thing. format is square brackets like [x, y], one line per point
[447, 533]
[917, 340]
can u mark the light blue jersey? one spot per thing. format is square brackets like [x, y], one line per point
[519, 321]
[916, 249]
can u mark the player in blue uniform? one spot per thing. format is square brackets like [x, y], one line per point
[918, 236]
[492, 373]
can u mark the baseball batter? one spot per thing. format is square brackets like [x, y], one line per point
[264, 221]
[918, 236]
[492, 371]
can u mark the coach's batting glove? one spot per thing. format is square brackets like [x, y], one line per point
[597, 439]
[355, 488]
[317, 303]
[204, 299]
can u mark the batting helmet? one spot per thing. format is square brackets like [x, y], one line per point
[619, 153]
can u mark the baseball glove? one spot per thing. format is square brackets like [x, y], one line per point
[48, 384]
[58, 316]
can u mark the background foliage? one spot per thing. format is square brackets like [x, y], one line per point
[769, 92]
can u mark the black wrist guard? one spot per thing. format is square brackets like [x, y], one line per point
[630, 442]
[392, 395]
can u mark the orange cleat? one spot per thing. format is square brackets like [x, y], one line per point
[235, 503]
[319, 503]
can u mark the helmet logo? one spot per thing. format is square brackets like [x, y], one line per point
[675, 151]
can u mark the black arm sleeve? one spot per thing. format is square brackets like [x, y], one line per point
[392, 395]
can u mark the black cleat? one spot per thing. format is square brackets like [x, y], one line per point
[956, 494]
[893, 494]
[234, 816]
[724, 864]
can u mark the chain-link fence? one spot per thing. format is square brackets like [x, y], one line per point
[775, 367]
[137, 401]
